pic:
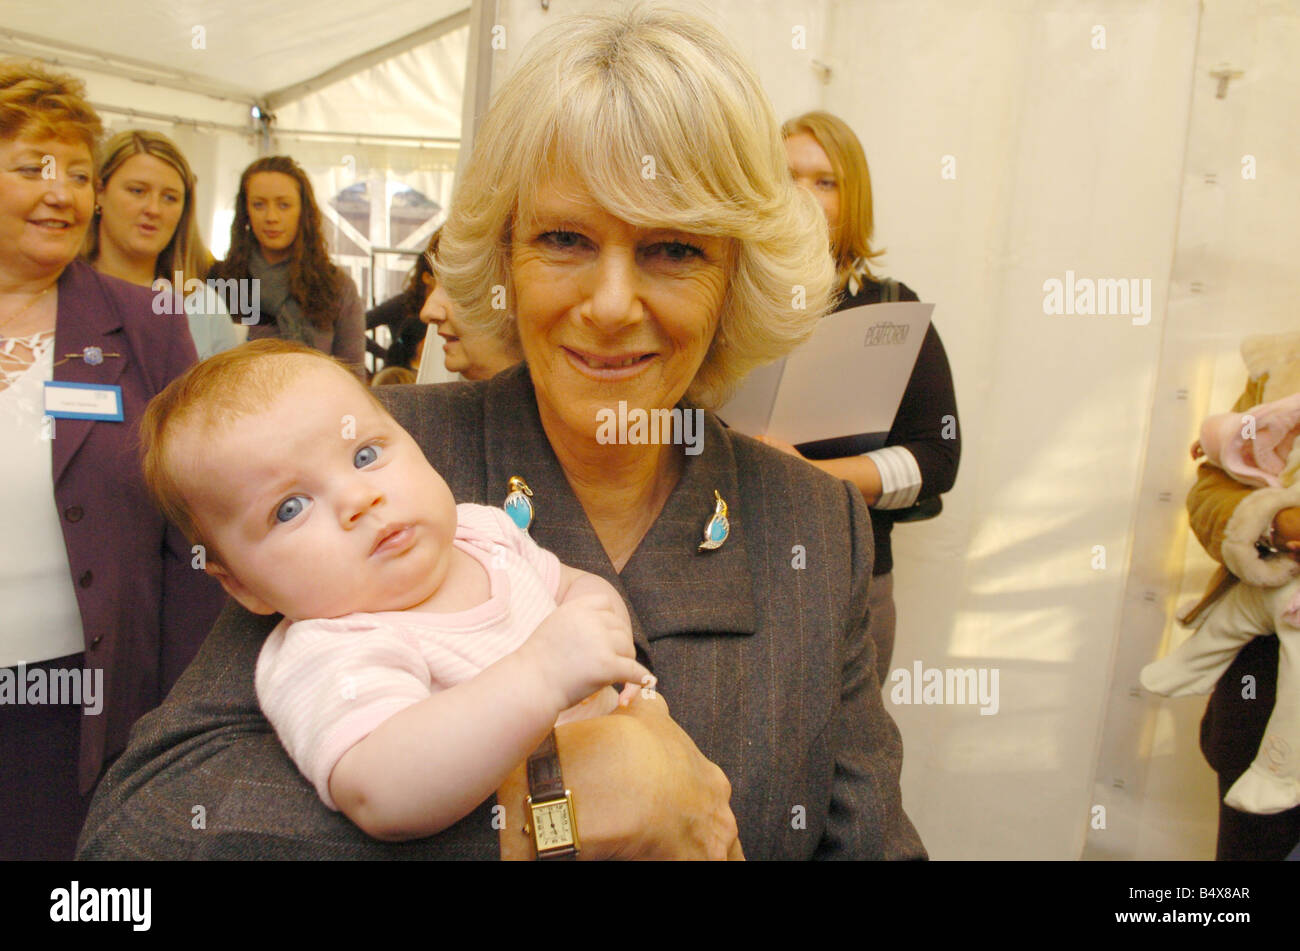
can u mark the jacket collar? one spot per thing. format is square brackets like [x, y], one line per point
[670, 586]
[87, 317]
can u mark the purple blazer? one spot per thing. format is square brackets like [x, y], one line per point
[144, 610]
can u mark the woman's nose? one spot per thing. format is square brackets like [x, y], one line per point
[58, 191]
[437, 307]
[614, 296]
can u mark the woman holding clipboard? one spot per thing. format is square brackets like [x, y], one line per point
[902, 480]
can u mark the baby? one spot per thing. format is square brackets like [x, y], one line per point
[312, 502]
[1257, 448]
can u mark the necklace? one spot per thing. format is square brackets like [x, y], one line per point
[24, 309]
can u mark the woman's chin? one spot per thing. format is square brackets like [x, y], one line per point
[55, 255]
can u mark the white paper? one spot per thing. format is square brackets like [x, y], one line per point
[847, 379]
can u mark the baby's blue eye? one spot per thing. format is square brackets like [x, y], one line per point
[365, 456]
[291, 508]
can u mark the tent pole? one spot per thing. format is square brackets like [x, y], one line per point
[478, 76]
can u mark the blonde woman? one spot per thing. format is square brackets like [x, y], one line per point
[902, 480]
[145, 231]
[473, 356]
[654, 294]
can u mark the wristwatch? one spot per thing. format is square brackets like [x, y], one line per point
[550, 816]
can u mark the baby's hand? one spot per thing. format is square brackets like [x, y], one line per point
[585, 644]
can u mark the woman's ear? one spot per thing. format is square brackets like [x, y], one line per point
[238, 590]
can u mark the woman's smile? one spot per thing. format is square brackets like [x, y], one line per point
[612, 367]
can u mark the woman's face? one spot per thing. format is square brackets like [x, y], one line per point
[811, 168]
[46, 195]
[475, 357]
[610, 311]
[141, 205]
[274, 207]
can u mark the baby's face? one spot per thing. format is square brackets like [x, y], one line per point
[322, 505]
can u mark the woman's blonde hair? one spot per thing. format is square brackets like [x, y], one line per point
[852, 239]
[658, 117]
[185, 252]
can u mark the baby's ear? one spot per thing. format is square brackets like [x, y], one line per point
[237, 590]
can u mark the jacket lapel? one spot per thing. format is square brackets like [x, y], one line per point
[86, 318]
[681, 588]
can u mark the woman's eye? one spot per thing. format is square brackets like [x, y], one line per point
[171, 199]
[291, 508]
[561, 239]
[365, 456]
[678, 250]
[826, 183]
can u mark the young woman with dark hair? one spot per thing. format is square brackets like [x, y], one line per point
[276, 239]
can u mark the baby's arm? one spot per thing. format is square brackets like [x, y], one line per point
[430, 764]
[578, 584]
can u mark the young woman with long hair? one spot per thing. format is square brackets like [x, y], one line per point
[276, 239]
[145, 230]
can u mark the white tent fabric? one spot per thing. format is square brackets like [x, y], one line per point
[245, 50]
[416, 93]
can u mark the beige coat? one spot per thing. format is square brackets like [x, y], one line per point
[1228, 517]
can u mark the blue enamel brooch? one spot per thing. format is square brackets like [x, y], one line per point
[519, 503]
[718, 528]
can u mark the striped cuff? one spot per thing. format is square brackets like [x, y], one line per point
[900, 477]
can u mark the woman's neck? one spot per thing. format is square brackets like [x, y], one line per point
[18, 282]
[113, 262]
[274, 256]
[622, 488]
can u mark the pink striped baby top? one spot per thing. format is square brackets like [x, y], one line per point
[325, 684]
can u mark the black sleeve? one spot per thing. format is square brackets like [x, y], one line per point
[926, 424]
[390, 313]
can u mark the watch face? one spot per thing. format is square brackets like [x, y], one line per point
[552, 825]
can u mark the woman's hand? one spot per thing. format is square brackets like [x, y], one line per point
[641, 788]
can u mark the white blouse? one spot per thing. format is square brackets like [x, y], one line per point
[39, 618]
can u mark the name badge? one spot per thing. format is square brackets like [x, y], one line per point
[98, 401]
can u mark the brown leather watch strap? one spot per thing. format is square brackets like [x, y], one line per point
[545, 781]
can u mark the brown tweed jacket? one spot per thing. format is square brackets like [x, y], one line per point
[760, 647]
